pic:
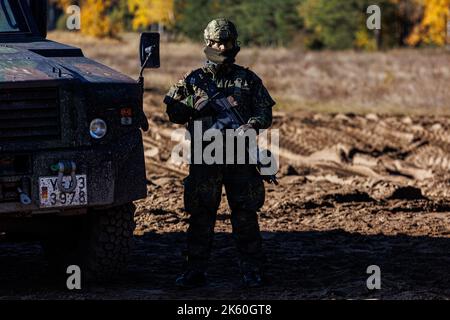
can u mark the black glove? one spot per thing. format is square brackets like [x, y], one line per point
[204, 108]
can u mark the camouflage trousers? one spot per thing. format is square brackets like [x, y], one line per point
[202, 196]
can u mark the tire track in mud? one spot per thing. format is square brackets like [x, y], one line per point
[394, 152]
[371, 168]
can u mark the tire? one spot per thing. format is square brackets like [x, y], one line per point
[99, 243]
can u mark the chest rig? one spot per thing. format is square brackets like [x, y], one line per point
[203, 80]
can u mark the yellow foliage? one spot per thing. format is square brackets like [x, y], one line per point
[147, 12]
[95, 20]
[62, 3]
[364, 41]
[432, 29]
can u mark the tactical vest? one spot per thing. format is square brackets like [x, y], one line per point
[200, 79]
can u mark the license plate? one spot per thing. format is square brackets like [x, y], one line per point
[51, 196]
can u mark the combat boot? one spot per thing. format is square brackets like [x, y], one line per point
[252, 277]
[191, 279]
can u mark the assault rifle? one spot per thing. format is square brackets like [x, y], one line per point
[228, 117]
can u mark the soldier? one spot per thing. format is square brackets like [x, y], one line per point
[187, 102]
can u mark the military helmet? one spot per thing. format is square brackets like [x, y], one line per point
[220, 30]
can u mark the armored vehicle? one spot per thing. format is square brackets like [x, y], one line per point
[71, 152]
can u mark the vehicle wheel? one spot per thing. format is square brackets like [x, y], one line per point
[99, 243]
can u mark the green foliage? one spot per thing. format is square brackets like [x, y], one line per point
[192, 17]
[259, 22]
[332, 23]
[329, 24]
[61, 23]
[337, 24]
[267, 22]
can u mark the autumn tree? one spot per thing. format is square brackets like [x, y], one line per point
[433, 27]
[148, 12]
[96, 16]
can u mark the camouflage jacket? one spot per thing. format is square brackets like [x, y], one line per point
[254, 101]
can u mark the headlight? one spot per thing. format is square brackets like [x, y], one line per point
[98, 128]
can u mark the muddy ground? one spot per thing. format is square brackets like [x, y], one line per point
[354, 191]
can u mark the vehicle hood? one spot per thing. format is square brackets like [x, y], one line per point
[48, 60]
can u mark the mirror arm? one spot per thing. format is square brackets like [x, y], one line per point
[144, 120]
[149, 51]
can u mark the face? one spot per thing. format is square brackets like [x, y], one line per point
[221, 45]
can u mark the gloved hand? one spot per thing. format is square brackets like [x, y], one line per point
[203, 107]
[242, 129]
[201, 103]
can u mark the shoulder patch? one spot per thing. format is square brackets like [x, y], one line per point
[195, 77]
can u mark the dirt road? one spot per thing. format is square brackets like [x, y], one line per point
[354, 191]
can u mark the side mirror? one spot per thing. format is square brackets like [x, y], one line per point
[149, 50]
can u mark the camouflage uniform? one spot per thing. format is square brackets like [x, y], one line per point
[203, 187]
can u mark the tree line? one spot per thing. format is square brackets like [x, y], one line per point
[315, 24]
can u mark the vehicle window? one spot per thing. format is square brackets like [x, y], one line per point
[11, 17]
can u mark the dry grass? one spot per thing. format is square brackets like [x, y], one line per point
[396, 82]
